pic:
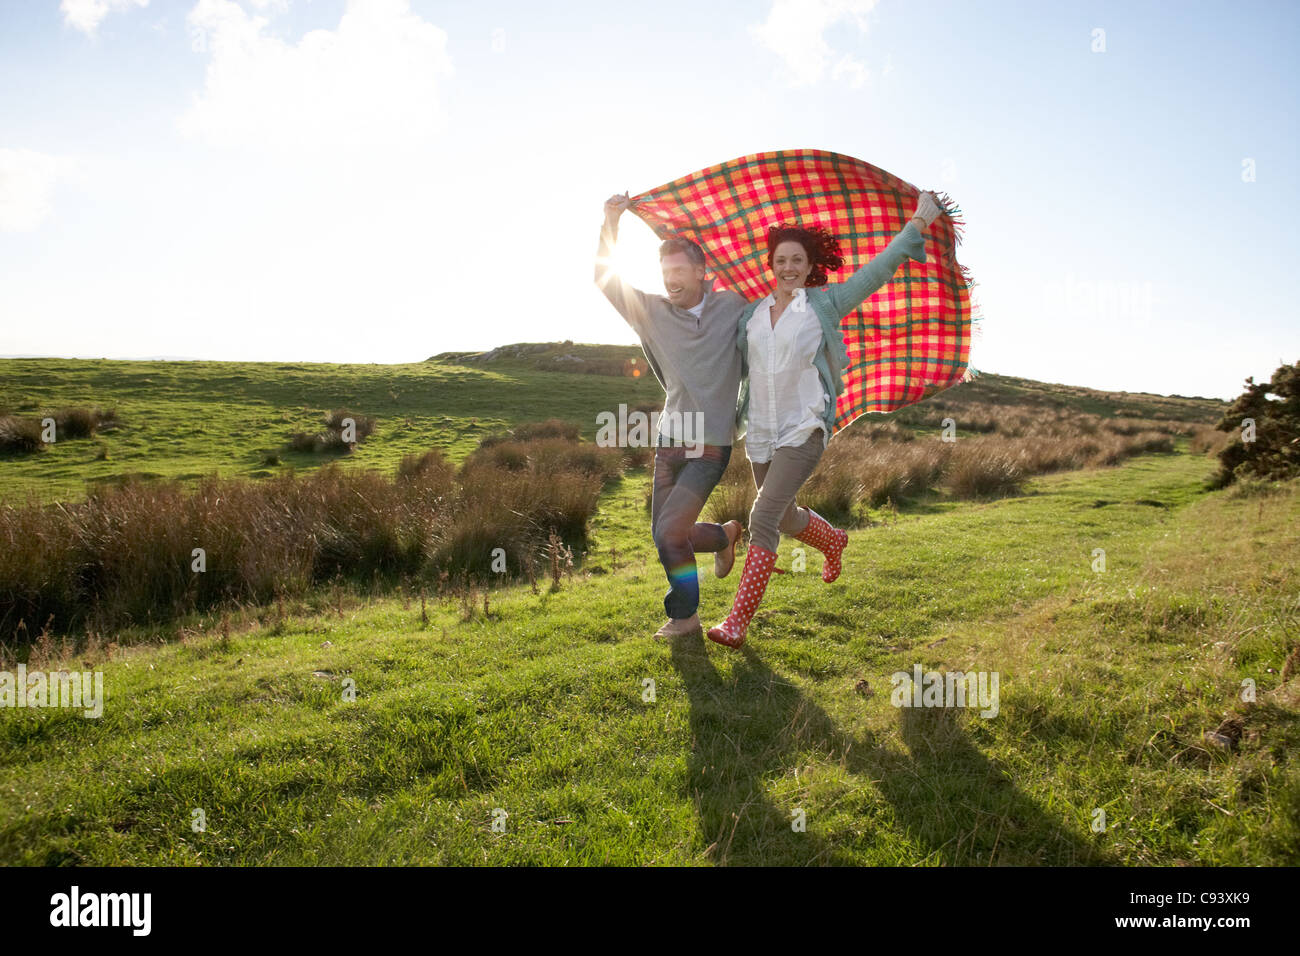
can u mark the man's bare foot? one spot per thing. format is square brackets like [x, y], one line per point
[677, 626]
[726, 558]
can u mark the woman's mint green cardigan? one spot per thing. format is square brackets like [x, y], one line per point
[832, 303]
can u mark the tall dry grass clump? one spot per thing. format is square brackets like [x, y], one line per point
[833, 489]
[21, 435]
[549, 456]
[983, 469]
[996, 449]
[81, 421]
[734, 494]
[527, 431]
[1208, 440]
[343, 431]
[127, 554]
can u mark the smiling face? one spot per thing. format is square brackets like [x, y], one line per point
[683, 280]
[790, 266]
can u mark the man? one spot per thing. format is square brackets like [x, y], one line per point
[689, 340]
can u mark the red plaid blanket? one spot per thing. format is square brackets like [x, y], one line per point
[908, 340]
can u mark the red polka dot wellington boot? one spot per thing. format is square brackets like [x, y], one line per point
[826, 539]
[753, 582]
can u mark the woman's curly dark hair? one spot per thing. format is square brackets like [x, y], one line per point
[823, 249]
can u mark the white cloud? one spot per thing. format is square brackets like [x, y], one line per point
[86, 15]
[321, 181]
[27, 181]
[853, 69]
[370, 84]
[795, 31]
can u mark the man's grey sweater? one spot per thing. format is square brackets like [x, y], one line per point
[695, 359]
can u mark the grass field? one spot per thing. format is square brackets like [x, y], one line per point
[190, 419]
[536, 709]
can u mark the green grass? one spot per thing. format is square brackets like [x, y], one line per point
[189, 419]
[1108, 681]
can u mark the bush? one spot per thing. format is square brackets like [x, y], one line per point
[1274, 454]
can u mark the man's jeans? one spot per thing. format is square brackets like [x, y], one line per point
[681, 486]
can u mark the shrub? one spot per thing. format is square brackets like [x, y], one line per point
[1274, 454]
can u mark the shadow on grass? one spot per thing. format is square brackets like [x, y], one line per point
[741, 733]
[954, 804]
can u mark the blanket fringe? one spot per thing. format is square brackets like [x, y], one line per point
[976, 319]
[976, 313]
[953, 212]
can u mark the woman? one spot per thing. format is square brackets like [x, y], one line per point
[795, 358]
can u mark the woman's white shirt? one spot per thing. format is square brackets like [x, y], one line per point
[786, 397]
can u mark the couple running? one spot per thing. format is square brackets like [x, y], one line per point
[787, 348]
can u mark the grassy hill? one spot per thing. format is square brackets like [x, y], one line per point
[189, 419]
[1121, 690]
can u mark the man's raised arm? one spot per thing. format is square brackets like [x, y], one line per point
[625, 297]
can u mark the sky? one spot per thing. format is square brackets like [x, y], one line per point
[383, 180]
